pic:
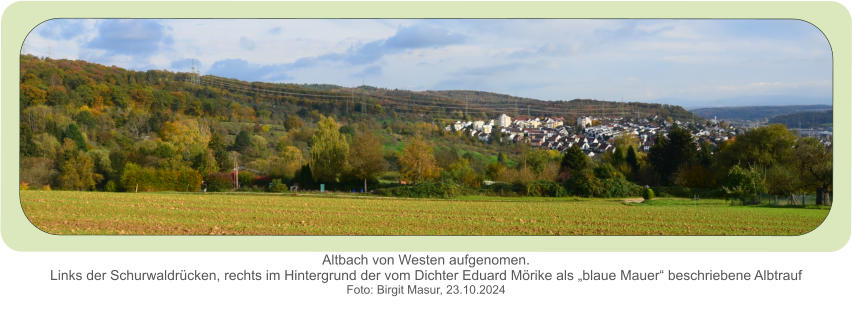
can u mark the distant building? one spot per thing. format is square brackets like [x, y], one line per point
[458, 126]
[486, 129]
[504, 121]
[477, 125]
[552, 123]
[583, 122]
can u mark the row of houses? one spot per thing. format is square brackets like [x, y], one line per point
[594, 136]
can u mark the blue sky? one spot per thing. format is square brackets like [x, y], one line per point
[691, 63]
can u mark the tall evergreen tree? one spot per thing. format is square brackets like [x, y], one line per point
[73, 132]
[242, 141]
[671, 152]
[574, 161]
[632, 160]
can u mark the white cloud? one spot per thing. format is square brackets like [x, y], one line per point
[561, 59]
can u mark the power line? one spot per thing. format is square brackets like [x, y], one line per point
[399, 103]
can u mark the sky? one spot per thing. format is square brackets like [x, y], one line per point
[692, 63]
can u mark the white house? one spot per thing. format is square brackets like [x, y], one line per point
[583, 122]
[477, 125]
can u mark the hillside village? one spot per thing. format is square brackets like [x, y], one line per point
[595, 135]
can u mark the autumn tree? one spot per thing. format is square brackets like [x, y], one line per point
[76, 170]
[761, 147]
[418, 162]
[187, 135]
[291, 161]
[329, 151]
[293, 123]
[365, 157]
[461, 172]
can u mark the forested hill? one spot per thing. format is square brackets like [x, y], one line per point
[514, 106]
[805, 119]
[86, 126]
[755, 113]
[209, 93]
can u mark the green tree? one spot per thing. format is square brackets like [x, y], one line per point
[205, 162]
[293, 122]
[73, 132]
[365, 157]
[761, 147]
[780, 180]
[574, 161]
[496, 136]
[242, 141]
[745, 184]
[220, 152]
[632, 160]
[76, 170]
[813, 162]
[672, 152]
[329, 151]
[501, 158]
[462, 173]
[536, 160]
[496, 171]
[584, 183]
[286, 164]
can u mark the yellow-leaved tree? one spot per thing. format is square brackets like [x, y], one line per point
[417, 162]
[328, 152]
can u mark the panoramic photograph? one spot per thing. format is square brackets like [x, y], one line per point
[486, 127]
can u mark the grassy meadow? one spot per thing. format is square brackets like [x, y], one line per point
[66, 212]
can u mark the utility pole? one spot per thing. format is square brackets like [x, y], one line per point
[236, 173]
[465, 108]
[195, 76]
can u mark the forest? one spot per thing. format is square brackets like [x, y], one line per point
[86, 126]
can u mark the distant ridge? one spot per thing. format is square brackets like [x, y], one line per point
[755, 113]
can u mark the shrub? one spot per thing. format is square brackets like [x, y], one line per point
[618, 186]
[500, 189]
[648, 193]
[154, 179]
[602, 182]
[110, 186]
[219, 182]
[584, 183]
[745, 184]
[545, 188]
[441, 189]
[277, 186]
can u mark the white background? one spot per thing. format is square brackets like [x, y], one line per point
[25, 285]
